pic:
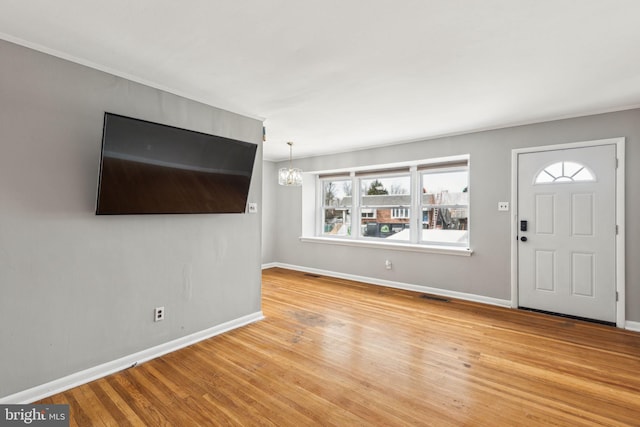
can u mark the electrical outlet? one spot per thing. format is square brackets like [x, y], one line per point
[503, 206]
[158, 314]
[388, 264]
[253, 207]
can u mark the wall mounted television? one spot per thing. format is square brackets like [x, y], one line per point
[151, 168]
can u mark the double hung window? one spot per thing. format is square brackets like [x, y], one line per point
[384, 193]
[336, 206]
[424, 203]
[444, 206]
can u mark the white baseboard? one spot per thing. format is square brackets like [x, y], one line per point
[400, 285]
[632, 326]
[91, 374]
[270, 265]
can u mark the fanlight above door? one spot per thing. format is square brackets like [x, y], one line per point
[562, 172]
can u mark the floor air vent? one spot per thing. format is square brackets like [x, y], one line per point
[433, 298]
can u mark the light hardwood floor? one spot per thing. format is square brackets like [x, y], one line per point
[337, 353]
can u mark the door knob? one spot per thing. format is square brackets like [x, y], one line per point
[523, 238]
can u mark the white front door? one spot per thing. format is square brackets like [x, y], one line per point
[567, 231]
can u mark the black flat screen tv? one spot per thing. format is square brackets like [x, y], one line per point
[151, 168]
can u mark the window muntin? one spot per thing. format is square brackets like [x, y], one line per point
[445, 207]
[563, 172]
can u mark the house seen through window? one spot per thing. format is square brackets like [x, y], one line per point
[419, 204]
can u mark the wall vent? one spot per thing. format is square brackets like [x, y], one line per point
[434, 298]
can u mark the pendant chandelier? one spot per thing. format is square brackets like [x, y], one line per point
[290, 176]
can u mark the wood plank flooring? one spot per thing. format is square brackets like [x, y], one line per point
[337, 353]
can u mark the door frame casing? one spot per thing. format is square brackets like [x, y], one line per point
[620, 217]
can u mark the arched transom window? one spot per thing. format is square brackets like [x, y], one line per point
[564, 172]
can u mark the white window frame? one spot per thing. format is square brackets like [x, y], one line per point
[376, 174]
[324, 206]
[313, 192]
[446, 206]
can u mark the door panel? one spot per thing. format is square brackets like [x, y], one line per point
[545, 271]
[582, 214]
[545, 213]
[566, 264]
[583, 274]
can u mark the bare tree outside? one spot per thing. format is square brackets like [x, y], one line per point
[397, 189]
[329, 193]
[347, 188]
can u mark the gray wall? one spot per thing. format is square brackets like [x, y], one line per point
[487, 271]
[269, 209]
[78, 290]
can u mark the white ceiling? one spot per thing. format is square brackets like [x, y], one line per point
[337, 75]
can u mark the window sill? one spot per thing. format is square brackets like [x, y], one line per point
[432, 249]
